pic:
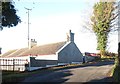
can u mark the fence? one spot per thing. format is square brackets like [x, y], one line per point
[13, 64]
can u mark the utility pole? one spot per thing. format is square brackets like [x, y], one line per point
[0, 15]
[29, 40]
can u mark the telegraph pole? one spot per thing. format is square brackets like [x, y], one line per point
[29, 42]
[0, 15]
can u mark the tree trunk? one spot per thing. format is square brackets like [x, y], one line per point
[102, 53]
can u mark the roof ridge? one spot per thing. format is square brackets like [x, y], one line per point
[51, 43]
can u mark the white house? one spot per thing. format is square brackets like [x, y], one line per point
[50, 54]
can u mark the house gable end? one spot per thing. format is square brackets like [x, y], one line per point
[63, 47]
[70, 53]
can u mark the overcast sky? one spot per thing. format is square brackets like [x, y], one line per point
[50, 20]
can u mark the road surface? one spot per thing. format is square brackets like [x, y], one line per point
[88, 73]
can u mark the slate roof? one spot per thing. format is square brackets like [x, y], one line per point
[36, 50]
[44, 49]
[17, 52]
[8, 53]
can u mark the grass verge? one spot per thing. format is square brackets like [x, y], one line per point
[115, 73]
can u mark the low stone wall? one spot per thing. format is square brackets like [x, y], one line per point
[41, 63]
[90, 58]
[38, 64]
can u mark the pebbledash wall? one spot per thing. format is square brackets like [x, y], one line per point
[70, 54]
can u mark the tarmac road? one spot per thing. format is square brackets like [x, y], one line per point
[89, 73]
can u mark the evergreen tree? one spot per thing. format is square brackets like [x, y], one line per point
[9, 17]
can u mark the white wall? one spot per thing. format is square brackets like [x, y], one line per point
[70, 53]
[47, 57]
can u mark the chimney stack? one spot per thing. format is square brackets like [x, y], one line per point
[33, 43]
[70, 36]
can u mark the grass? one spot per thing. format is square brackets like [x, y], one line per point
[116, 71]
[10, 76]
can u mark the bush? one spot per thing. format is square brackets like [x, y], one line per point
[116, 71]
[110, 54]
